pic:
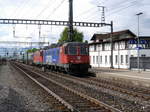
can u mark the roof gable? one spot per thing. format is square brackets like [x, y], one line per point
[116, 35]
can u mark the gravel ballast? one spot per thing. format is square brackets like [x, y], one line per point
[20, 94]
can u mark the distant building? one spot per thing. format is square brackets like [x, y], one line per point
[124, 47]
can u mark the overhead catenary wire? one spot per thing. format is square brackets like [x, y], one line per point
[103, 2]
[116, 10]
[29, 6]
[89, 10]
[45, 8]
[121, 5]
[55, 9]
[85, 12]
[18, 5]
[133, 3]
[119, 9]
[21, 8]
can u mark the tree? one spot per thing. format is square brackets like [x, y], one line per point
[77, 36]
[86, 41]
[32, 50]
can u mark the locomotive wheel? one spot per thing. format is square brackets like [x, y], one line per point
[67, 70]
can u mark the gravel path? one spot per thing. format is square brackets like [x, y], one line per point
[19, 94]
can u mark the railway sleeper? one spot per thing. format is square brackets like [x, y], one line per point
[77, 99]
[59, 107]
[57, 103]
[88, 105]
[82, 105]
[93, 109]
[76, 102]
[100, 109]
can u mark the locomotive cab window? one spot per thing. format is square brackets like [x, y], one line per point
[41, 54]
[83, 50]
[66, 50]
[72, 50]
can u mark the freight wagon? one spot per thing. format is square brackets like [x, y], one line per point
[28, 58]
[38, 58]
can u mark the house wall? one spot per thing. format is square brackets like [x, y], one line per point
[100, 54]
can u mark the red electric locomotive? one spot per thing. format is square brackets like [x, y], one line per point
[38, 58]
[72, 57]
[75, 57]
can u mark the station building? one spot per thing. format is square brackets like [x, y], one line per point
[124, 48]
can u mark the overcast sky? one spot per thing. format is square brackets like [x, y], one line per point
[121, 12]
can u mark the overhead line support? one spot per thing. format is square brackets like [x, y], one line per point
[51, 22]
[61, 23]
[103, 14]
[70, 39]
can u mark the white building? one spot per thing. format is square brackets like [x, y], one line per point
[124, 47]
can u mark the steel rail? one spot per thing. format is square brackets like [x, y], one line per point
[93, 100]
[123, 90]
[97, 84]
[48, 90]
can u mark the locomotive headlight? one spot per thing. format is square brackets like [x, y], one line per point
[78, 57]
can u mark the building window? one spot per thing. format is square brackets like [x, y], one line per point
[98, 47]
[116, 59]
[110, 59]
[97, 59]
[93, 59]
[103, 47]
[127, 60]
[94, 47]
[105, 59]
[100, 59]
[121, 59]
[126, 45]
[143, 55]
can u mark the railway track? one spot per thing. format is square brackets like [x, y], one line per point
[125, 85]
[56, 102]
[88, 86]
[138, 92]
[137, 100]
[71, 99]
[143, 94]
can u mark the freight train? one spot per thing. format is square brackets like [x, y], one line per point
[70, 57]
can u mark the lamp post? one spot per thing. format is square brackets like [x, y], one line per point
[138, 42]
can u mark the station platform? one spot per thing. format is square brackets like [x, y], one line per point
[141, 78]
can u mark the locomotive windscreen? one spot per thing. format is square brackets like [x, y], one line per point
[72, 50]
[84, 50]
[76, 48]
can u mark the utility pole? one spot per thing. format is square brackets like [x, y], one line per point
[39, 35]
[14, 31]
[103, 14]
[138, 42]
[102, 21]
[70, 33]
[111, 36]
